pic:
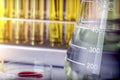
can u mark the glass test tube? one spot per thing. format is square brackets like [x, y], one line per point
[71, 17]
[94, 9]
[41, 24]
[25, 16]
[114, 9]
[52, 28]
[54, 31]
[2, 22]
[89, 9]
[20, 27]
[32, 24]
[78, 2]
[37, 28]
[8, 26]
[76, 9]
[59, 16]
[81, 12]
[36, 12]
[89, 15]
[111, 6]
[117, 7]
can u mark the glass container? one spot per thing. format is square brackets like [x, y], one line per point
[93, 52]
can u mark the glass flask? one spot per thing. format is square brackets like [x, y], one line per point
[93, 52]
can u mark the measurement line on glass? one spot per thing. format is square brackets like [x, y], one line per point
[91, 21]
[90, 49]
[77, 46]
[94, 29]
[79, 27]
[75, 62]
[89, 66]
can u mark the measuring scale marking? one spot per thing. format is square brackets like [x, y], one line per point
[77, 46]
[94, 29]
[88, 65]
[75, 61]
[100, 42]
[91, 49]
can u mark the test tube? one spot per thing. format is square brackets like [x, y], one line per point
[36, 28]
[20, 28]
[38, 32]
[91, 9]
[78, 4]
[59, 11]
[8, 26]
[33, 6]
[41, 24]
[25, 16]
[2, 22]
[114, 9]
[71, 17]
[75, 9]
[81, 11]
[87, 10]
[32, 24]
[54, 28]
[117, 7]
[95, 10]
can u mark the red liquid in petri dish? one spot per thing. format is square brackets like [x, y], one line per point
[30, 74]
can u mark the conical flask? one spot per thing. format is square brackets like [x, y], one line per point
[94, 49]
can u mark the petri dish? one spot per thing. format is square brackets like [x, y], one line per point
[26, 71]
